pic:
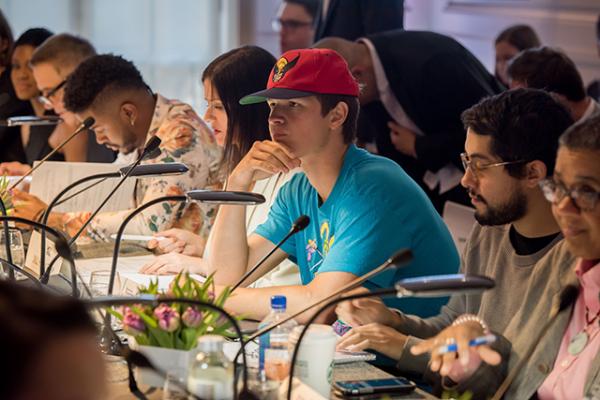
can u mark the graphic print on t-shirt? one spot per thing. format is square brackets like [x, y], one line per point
[314, 256]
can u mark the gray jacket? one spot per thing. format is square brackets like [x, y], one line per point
[523, 330]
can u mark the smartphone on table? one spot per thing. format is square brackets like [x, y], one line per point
[373, 386]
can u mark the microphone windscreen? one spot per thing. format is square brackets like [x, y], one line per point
[63, 249]
[301, 223]
[87, 123]
[153, 154]
[151, 146]
[401, 258]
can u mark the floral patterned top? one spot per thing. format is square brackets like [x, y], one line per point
[185, 139]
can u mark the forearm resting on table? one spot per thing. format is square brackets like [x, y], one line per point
[255, 303]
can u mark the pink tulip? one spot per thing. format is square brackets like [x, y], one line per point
[132, 323]
[168, 318]
[191, 317]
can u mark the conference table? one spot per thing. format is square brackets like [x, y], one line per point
[118, 389]
[117, 371]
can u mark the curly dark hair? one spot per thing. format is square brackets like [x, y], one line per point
[98, 75]
[524, 124]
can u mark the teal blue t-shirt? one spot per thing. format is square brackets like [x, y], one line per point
[374, 210]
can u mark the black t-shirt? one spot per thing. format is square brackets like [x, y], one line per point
[525, 246]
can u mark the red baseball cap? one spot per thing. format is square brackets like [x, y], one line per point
[306, 72]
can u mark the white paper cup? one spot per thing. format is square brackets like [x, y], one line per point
[314, 364]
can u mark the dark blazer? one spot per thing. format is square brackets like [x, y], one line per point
[351, 19]
[434, 79]
[11, 146]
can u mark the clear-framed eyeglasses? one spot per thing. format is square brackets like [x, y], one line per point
[476, 166]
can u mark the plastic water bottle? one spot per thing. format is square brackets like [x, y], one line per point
[211, 374]
[274, 356]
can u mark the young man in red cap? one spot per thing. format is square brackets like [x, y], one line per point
[362, 208]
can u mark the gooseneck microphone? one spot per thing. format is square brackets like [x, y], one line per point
[428, 286]
[299, 225]
[139, 171]
[204, 196]
[398, 260]
[86, 124]
[566, 298]
[149, 148]
[62, 246]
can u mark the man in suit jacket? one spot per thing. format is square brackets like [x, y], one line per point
[351, 19]
[415, 85]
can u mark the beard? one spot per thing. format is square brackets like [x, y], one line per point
[515, 208]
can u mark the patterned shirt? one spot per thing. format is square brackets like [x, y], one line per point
[185, 139]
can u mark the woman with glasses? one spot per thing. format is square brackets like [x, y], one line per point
[33, 138]
[564, 363]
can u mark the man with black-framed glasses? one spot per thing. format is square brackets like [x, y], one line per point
[511, 144]
[51, 64]
[295, 24]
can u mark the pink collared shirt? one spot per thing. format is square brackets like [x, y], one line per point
[567, 378]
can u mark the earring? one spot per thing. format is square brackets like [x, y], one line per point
[132, 122]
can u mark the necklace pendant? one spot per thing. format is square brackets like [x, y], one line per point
[578, 343]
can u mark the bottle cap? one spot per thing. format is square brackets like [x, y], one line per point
[278, 302]
[208, 343]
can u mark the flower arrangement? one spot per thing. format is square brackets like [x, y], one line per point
[176, 326]
[4, 194]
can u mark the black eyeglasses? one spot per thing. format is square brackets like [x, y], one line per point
[554, 192]
[289, 24]
[46, 96]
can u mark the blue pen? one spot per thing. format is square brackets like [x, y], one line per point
[478, 341]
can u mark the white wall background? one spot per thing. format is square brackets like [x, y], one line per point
[170, 41]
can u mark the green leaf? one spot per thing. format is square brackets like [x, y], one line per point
[164, 339]
[190, 337]
[148, 320]
[114, 313]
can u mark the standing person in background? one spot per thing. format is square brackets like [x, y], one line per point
[11, 148]
[415, 85]
[33, 138]
[295, 24]
[508, 44]
[353, 19]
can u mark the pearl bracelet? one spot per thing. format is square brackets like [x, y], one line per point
[472, 318]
